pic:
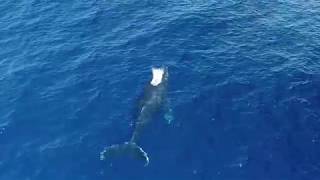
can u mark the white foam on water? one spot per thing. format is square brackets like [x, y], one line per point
[157, 76]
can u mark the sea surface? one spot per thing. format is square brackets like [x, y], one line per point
[244, 88]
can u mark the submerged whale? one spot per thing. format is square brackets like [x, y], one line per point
[152, 101]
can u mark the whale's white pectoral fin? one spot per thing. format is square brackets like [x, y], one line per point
[168, 115]
[157, 76]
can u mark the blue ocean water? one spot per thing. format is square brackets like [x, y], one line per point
[244, 88]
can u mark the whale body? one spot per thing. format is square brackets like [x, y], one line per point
[153, 99]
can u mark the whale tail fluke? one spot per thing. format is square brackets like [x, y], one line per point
[129, 148]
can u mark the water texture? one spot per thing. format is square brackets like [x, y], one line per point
[244, 88]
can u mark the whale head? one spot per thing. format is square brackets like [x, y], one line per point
[157, 76]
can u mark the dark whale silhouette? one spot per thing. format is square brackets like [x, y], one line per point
[153, 99]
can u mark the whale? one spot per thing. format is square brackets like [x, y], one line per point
[153, 99]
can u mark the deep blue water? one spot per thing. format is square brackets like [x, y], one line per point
[244, 88]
